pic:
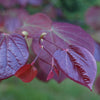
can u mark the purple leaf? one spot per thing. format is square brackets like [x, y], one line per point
[14, 54]
[59, 36]
[35, 2]
[12, 23]
[97, 51]
[35, 23]
[13, 19]
[74, 35]
[1, 21]
[22, 2]
[93, 17]
[45, 61]
[78, 64]
[8, 3]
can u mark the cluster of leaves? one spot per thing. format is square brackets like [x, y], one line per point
[11, 3]
[62, 50]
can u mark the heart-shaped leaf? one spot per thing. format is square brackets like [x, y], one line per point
[13, 54]
[59, 37]
[78, 64]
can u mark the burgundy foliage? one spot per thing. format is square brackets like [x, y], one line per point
[11, 3]
[62, 50]
[13, 19]
[8, 3]
[35, 2]
[13, 54]
[78, 64]
[60, 36]
[93, 17]
[33, 24]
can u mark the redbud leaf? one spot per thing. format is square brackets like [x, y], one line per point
[60, 35]
[45, 58]
[74, 35]
[78, 64]
[14, 54]
[26, 73]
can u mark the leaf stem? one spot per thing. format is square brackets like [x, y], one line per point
[36, 58]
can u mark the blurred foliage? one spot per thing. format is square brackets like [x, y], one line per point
[73, 10]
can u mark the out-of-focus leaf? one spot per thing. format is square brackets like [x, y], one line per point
[96, 36]
[22, 2]
[12, 23]
[8, 3]
[13, 19]
[97, 84]
[93, 17]
[35, 2]
[35, 23]
[97, 51]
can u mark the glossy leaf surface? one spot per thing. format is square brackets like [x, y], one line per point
[78, 64]
[13, 54]
[59, 37]
[74, 35]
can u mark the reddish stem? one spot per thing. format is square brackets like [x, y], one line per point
[36, 58]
